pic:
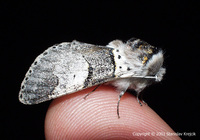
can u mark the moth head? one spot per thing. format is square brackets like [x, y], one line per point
[144, 50]
[149, 56]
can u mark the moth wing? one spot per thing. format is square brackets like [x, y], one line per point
[64, 69]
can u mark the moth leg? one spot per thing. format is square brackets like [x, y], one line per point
[138, 94]
[144, 102]
[142, 99]
[119, 98]
[92, 91]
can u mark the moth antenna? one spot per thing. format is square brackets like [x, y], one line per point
[151, 77]
[147, 77]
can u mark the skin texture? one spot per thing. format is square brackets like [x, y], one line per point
[73, 117]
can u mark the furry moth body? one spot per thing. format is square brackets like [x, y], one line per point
[72, 66]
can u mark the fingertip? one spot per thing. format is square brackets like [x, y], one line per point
[73, 117]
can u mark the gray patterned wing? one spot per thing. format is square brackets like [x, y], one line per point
[64, 69]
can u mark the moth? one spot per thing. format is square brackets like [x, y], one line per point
[72, 66]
